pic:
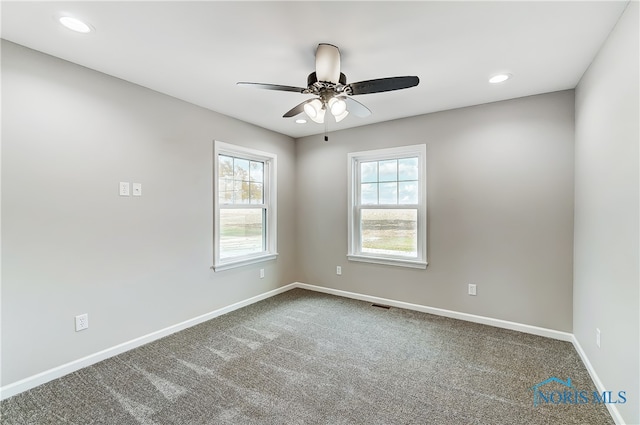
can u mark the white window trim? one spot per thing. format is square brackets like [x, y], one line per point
[270, 194]
[354, 159]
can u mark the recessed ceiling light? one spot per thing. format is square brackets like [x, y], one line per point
[499, 78]
[75, 24]
[301, 121]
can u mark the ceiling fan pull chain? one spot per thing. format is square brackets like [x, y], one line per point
[326, 130]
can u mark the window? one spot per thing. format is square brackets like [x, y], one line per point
[244, 206]
[387, 206]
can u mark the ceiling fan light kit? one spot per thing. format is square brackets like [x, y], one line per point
[332, 92]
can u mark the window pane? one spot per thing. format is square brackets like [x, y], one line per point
[369, 193]
[390, 232]
[389, 193]
[408, 192]
[408, 169]
[388, 170]
[225, 166]
[241, 193]
[241, 169]
[241, 232]
[225, 191]
[257, 171]
[369, 172]
[256, 193]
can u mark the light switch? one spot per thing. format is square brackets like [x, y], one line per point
[124, 188]
[137, 189]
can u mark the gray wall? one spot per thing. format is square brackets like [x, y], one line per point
[71, 245]
[500, 210]
[606, 261]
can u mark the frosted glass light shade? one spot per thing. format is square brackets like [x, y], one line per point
[342, 116]
[310, 110]
[337, 106]
[315, 110]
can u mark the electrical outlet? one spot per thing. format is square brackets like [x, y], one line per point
[124, 188]
[82, 322]
[338, 270]
[261, 273]
[472, 289]
[598, 337]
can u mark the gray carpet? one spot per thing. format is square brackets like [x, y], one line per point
[308, 358]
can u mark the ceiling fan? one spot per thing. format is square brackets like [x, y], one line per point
[332, 92]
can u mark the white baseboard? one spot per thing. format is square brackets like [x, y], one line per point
[535, 330]
[613, 409]
[59, 371]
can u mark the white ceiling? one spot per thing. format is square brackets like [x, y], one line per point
[197, 51]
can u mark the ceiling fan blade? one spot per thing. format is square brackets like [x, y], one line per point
[383, 84]
[328, 63]
[296, 109]
[357, 108]
[272, 87]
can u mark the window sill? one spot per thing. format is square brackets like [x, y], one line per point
[232, 264]
[416, 264]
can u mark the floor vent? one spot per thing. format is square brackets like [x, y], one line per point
[386, 307]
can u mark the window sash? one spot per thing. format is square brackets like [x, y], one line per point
[244, 240]
[357, 233]
[248, 180]
[398, 236]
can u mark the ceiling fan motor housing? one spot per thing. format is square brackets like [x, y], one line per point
[328, 63]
